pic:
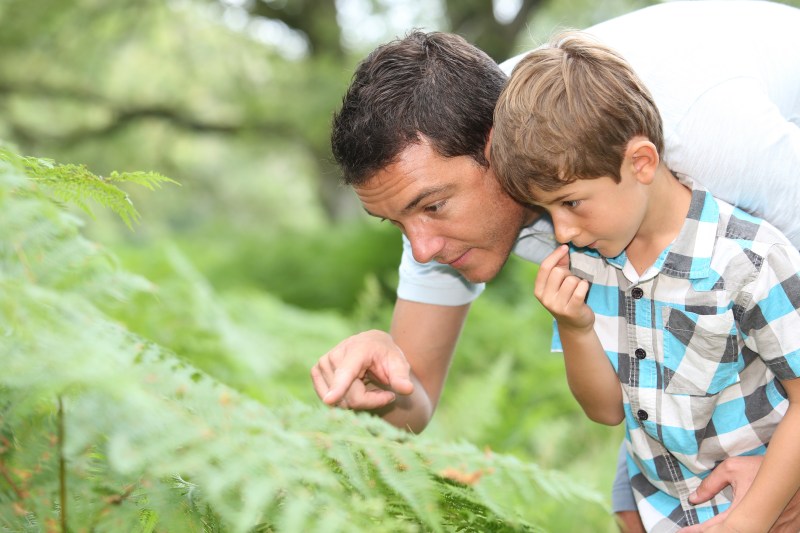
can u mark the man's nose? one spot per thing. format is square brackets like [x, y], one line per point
[425, 244]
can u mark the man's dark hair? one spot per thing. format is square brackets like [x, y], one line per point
[434, 84]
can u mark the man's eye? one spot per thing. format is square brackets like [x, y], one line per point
[435, 208]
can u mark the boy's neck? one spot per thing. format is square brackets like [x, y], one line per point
[668, 205]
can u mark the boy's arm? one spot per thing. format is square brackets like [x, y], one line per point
[777, 480]
[590, 376]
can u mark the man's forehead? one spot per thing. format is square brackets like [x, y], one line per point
[417, 163]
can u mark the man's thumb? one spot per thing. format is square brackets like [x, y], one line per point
[399, 374]
[708, 488]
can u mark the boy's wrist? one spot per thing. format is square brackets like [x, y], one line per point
[575, 330]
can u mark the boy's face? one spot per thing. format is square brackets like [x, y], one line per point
[596, 213]
[452, 210]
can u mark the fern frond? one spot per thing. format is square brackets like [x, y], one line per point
[151, 440]
[76, 185]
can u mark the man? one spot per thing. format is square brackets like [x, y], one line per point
[411, 140]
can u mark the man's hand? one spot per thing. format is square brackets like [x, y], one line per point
[362, 372]
[563, 294]
[739, 473]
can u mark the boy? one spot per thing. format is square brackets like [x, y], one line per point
[692, 301]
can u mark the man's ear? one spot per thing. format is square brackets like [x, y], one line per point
[487, 150]
[641, 159]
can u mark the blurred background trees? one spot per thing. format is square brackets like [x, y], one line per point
[231, 97]
[260, 260]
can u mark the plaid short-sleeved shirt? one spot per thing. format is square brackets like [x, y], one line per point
[698, 342]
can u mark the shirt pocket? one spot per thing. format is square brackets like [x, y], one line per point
[701, 352]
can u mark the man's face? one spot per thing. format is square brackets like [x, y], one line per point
[451, 209]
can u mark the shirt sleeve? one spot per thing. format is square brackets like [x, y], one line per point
[555, 342]
[771, 322]
[433, 283]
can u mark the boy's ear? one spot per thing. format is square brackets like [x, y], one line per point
[641, 159]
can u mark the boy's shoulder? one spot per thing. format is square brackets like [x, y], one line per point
[747, 231]
[747, 246]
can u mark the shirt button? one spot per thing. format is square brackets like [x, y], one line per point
[637, 293]
[640, 353]
[642, 414]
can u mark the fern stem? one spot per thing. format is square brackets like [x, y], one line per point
[62, 467]
[23, 259]
[21, 494]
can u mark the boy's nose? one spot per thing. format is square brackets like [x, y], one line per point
[565, 233]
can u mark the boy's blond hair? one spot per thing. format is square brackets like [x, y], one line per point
[568, 112]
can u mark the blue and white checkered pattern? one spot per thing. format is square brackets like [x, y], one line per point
[698, 342]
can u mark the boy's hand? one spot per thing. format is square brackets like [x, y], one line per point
[562, 293]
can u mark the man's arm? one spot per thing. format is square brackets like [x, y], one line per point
[398, 375]
[739, 472]
[778, 478]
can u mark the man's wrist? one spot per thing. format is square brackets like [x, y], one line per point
[733, 526]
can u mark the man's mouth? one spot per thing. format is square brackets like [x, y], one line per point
[459, 261]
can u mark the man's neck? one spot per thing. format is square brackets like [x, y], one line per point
[668, 205]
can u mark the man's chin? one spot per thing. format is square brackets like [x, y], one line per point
[480, 275]
[484, 266]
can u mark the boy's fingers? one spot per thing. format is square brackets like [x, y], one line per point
[563, 261]
[555, 281]
[546, 269]
[556, 256]
[579, 296]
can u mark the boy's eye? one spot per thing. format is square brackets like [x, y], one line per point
[572, 204]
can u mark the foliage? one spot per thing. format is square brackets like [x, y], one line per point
[75, 184]
[102, 429]
[313, 270]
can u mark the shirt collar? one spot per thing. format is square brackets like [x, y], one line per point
[689, 255]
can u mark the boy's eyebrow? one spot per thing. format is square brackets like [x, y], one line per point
[552, 200]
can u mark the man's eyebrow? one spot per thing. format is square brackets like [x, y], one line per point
[422, 195]
[372, 214]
